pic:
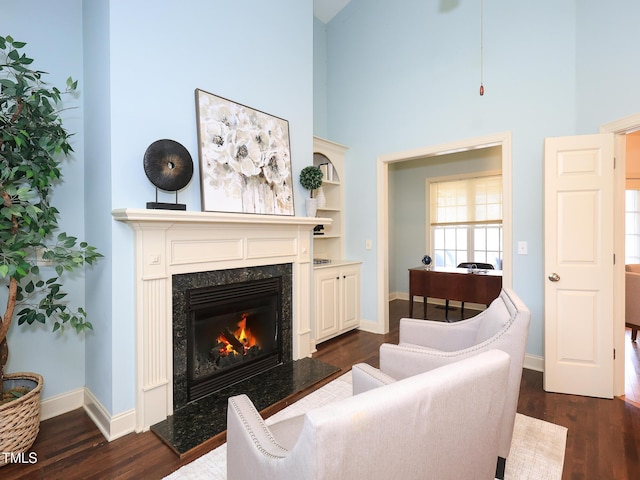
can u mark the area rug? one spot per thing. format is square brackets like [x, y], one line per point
[537, 451]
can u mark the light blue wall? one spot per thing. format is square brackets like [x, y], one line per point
[607, 68]
[109, 334]
[408, 229]
[319, 78]
[142, 63]
[56, 46]
[405, 75]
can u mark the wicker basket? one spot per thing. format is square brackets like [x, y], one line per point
[20, 419]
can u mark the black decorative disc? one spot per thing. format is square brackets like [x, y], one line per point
[168, 165]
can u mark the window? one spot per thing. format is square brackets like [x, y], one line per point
[466, 220]
[632, 226]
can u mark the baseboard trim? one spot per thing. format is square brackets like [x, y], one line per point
[112, 427]
[534, 362]
[63, 403]
[370, 326]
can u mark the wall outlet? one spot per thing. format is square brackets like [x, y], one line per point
[368, 244]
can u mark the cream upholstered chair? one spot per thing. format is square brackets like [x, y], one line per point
[425, 345]
[441, 425]
[632, 298]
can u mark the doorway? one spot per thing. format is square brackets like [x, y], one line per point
[621, 128]
[627, 143]
[501, 140]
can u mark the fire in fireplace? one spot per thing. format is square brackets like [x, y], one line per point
[231, 347]
[233, 333]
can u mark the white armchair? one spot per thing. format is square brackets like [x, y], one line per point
[425, 345]
[632, 299]
[441, 425]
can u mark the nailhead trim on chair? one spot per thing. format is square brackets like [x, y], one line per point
[264, 429]
[474, 348]
[439, 353]
[374, 377]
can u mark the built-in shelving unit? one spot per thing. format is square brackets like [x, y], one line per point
[336, 279]
[329, 244]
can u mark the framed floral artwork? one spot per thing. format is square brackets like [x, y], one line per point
[245, 158]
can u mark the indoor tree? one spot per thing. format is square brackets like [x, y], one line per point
[33, 256]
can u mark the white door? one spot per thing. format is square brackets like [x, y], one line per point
[578, 261]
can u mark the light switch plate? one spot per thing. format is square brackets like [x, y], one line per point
[522, 248]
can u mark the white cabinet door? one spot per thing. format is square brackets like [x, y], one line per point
[327, 300]
[350, 286]
[337, 300]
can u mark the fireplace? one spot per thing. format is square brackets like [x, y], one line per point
[171, 244]
[233, 333]
[229, 325]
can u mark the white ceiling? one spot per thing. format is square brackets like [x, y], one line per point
[325, 10]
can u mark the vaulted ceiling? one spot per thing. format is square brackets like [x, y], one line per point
[325, 10]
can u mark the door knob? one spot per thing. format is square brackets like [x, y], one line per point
[554, 277]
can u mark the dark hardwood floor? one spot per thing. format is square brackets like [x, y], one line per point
[603, 439]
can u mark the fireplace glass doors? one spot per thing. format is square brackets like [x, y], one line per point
[233, 333]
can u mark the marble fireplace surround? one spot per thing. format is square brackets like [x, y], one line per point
[175, 242]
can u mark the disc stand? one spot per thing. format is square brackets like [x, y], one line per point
[166, 206]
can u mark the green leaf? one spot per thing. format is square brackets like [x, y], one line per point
[4, 270]
[16, 394]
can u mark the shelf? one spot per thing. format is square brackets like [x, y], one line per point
[330, 245]
[336, 263]
[330, 182]
[315, 237]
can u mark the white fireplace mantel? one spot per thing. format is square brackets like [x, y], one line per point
[171, 242]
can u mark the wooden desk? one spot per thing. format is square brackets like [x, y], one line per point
[453, 284]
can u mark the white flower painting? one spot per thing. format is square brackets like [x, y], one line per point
[245, 160]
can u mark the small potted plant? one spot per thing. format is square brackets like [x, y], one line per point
[32, 142]
[311, 179]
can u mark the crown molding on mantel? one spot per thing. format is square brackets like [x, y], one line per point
[190, 216]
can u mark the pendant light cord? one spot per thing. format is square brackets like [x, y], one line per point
[481, 47]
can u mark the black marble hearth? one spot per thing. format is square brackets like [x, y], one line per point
[203, 419]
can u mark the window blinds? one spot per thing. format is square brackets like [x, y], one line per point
[466, 201]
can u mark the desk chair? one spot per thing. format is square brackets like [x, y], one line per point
[475, 266]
